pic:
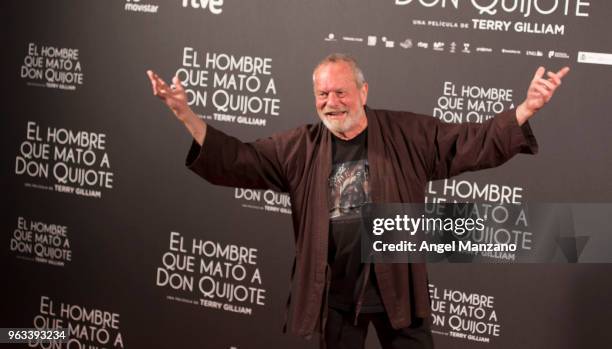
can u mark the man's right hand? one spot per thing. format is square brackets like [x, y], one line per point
[175, 98]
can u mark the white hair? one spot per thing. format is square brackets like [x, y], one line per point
[341, 57]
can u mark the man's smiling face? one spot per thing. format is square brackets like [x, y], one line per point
[339, 99]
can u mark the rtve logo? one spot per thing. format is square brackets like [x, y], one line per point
[214, 6]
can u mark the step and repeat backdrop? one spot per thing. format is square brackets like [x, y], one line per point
[105, 231]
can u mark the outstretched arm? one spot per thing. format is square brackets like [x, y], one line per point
[540, 91]
[175, 98]
[219, 158]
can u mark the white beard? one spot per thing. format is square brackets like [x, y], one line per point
[341, 126]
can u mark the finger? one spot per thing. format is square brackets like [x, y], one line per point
[161, 82]
[534, 93]
[539, 73]
[164, 91]
[156, 87]
[158, 79]
[561, 73]
[177, 83]
[543, 91]
[554, 77]
[162, 88]
[150, 74]
[551, 86]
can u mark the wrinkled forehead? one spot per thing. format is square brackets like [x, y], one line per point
[334, 75]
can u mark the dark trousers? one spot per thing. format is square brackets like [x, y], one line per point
[342, 333]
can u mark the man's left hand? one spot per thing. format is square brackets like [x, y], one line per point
[540, 91]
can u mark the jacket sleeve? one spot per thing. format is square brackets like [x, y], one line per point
[225, 160]
[465, 147]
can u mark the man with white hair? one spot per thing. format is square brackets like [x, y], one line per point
[354, 156]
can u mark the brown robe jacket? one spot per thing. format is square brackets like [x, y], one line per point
[405, 151]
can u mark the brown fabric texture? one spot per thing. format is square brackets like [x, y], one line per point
[405, 151]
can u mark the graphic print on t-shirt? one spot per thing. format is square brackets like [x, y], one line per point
[349, 189]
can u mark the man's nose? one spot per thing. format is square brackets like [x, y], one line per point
[332, 100]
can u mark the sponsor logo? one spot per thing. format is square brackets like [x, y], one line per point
[388, 43]
[214, 6]
[422, 44]
[484, 49]
[137, 6]
[534, 53]
[371, 40]
[557, 54]
[406, 43]
[330, 37]
[351, 38]
[594, 58]
[510, 51]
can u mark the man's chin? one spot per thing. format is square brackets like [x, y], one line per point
[336, 125]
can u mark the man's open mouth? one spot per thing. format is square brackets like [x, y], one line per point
[335, 113]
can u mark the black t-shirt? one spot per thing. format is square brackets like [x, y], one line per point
[349, 190]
